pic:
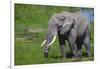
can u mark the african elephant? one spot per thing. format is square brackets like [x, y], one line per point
[73, 27]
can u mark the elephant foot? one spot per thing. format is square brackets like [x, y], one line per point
[46, 55]
[88, 53]
[64, 56]
[74, 57]
[79, 55]
[63, 59]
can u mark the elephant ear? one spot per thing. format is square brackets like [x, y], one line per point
[67, 25]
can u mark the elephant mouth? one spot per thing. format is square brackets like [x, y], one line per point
[54, 38]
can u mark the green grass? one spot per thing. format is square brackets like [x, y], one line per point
[27, 44]
[28, 51]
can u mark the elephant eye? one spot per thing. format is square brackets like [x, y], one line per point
[59, 25]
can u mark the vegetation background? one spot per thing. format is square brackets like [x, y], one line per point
[31, 23]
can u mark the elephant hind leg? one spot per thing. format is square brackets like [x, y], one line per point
[79, 42]
[87, 43]
[79, 49]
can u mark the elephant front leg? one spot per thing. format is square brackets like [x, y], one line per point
[63, 51]
[62, 46]
[73, 48]
[72, 43]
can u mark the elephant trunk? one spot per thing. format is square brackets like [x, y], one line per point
[51, 35]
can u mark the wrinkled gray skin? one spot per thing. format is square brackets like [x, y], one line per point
[75, 31]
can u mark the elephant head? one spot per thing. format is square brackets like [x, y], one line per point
[67, 23]
[58, 22]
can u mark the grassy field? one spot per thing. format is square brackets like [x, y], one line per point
[27, 44]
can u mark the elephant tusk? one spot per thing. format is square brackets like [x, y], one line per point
[52, 41]
[43, 43]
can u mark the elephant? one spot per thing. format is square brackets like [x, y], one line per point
[71, 27]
